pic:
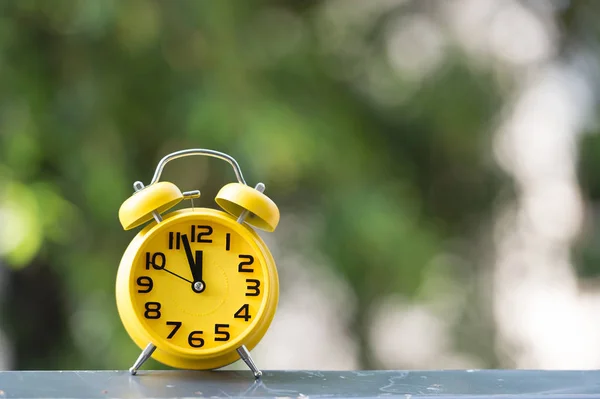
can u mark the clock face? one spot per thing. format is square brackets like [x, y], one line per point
[199, 285]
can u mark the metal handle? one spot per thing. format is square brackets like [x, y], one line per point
[198, 151]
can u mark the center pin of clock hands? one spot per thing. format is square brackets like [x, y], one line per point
[195, 263]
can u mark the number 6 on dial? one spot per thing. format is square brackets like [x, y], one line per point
[197, 288]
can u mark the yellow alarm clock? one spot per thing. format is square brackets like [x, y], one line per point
[197, 288]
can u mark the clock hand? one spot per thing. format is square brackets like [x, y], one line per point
[195, 263]
[177, 275]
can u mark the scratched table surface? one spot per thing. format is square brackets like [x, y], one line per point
[301, 384]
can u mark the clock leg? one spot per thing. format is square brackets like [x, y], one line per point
[245, 355]
[145, 355]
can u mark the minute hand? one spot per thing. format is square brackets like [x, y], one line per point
[195, 262]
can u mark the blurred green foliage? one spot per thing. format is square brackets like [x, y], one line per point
[94, 93]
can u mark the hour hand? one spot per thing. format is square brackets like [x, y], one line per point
[194, 260]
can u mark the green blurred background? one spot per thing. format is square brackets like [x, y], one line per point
[434, 163]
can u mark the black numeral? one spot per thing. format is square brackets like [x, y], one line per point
[174, 240]
[248, 262]
[157, 260]
[227, 241]
[219, 331]
[205, 231]
[253, 287]
[195, 340]
[145, 282]
[177, 325]
[243, 313]
[152, 310]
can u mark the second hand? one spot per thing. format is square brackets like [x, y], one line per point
[176, 275]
